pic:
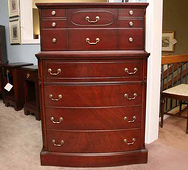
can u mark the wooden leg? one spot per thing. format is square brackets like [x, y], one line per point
[180, 107]
[162, 113]
[187, 121]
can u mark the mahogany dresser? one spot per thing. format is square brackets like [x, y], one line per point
[92, 76]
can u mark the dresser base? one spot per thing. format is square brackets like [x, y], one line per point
[93, 159]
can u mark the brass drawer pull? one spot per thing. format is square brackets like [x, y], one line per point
[130, 121]
[54, 74]
[51, 97]
[130, 98]
[97, 18]
[58, 145]
[92, 43]
[60, 120]
[131, 73]
[130, 39]
[28, 75]
[131, 24]
[53, 24]
[54, 40]
[131, 12]
[133, 141]
[53, 13]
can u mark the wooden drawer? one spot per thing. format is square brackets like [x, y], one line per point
[93, 141]
[131, 13]
[93, 119]
[131, 23]
[30, 75]
[53, 13]
[54, 23]
[93, 70]
[131, 39]
[92, 18]
[53, 39]
[93, 95]
[92, 39]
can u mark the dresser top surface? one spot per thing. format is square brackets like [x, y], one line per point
[92, 5]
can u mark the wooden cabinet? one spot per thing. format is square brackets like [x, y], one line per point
[31, 88]
[14, 75]
[92, 76]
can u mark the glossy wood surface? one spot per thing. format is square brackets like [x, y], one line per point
[48, 23]
[58, 13]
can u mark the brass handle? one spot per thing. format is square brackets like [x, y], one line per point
[131, 143]
[131, 73]
[58, 145]
[7, 71]
[130, 98]
[51, 97]
[130, 39]
[53, 13]
[54, 40]
[92, 43]
[130, 121]
[53, 24]
[60, 120]
[97, 18]
[131, 12]
[131, 24]
[28, 75]
[54, 74]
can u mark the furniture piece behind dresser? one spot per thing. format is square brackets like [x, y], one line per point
[92, 76]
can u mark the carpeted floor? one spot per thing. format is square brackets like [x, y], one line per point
[21, 143]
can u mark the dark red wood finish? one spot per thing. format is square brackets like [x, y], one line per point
[83, 85]
[31, 87]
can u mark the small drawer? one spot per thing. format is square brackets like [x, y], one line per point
[92, 39]
[93, 119]
[131, 23]
[131, 13]
[29, 75]
[131, 39]
[130, 69]
[93, 141]
[93, 95]
[54, 23]
[92, 18]
[53, 13]
[53, 40]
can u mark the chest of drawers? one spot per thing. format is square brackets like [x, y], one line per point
[92, 74]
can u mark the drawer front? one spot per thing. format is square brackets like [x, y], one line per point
[92, 18]
[53, 40]
[131, 39]
[54, 23]
[8, 71]
[93, 70]
[92, 39]
[29, 75]
[93, 119]
[131, 13]
[130, 23]
[54, 13]
[88, 142]
[92, 95]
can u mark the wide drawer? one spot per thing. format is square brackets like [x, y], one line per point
[92, 17]
[53, 23]
[53, 13]
[92, 95]
[131, 39]
[53, 39]
[93, 141]
[92, 39]
[129, 69]
[93, 119]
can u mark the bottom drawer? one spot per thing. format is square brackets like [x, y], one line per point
[93, 141]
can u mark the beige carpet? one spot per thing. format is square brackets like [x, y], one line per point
[21, 143]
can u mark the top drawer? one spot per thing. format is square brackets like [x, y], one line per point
[131, 13]
[92, 18]
[53, 13]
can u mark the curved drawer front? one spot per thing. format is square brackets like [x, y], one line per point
[92, 96]
[93, 119]
[131, 39]
[53, 23]
[88, 142]
[92, 18]
[92, 39]
[93, 70]
[53, 40]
